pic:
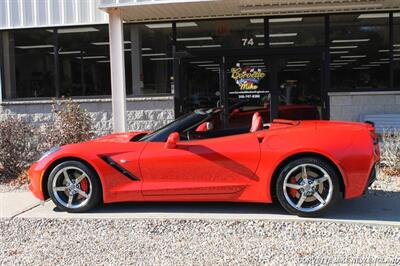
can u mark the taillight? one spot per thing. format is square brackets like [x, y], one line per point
[375, 138]
[371, 129]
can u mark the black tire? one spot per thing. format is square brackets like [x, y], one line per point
[288, 199]
[94, 193]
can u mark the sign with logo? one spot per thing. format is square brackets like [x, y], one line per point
[248, 80]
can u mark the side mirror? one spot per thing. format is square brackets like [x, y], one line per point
[172, 140]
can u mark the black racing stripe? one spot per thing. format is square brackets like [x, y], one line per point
[119, 168]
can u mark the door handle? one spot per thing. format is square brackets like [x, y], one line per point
[260, 138]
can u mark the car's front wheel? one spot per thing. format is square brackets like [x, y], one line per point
[308, 187]
[74, 187]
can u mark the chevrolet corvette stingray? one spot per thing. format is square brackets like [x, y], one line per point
[306, 166]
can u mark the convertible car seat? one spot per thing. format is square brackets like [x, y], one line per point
[202, 127]
[256, 123]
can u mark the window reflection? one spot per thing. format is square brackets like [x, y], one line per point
[30, 52]
[359, 48]
[222, 33]
[84, 61]
[296, 31]
[148, 58]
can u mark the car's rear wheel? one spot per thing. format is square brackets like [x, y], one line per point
[308, 187]
[74, 187]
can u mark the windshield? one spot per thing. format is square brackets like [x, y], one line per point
[183, 122]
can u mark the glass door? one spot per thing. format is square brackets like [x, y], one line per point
[247, 89]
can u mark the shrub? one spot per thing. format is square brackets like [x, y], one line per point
[71, 125]
[390, 150]
[17, 147]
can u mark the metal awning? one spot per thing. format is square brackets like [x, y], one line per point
[164, 10]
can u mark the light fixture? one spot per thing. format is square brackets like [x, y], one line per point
[92, 57]
[162, 59]
[35, 46]
[353, 56]
[374, 15]
[107, 43]
[291, 34]
[339, 64]
[280, 43]
[396, 45]
[280, 20]
[292, 70]
[251, 60]
[157, 54]
[339, 52]
[386, 50]
[201, 62]
[169, 25]
[75, 30]
[68, 52]
[143, 49]
[254, 64]
[360, 68]
[343, 47]
[370, 65]
[345, 60]
[194, 39]
[351, 40]
[380, 62]
[204, 46]
[298, 62]
[103, 61]
[209, 65]
[295, 65]
[256, 20]
[277, 35]
[274, 20]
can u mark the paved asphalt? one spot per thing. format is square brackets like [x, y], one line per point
[383, 208]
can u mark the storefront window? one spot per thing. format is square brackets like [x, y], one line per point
[296, 31]
[84, 61]
[148, 58]
[220, 34]
[396, 49]
[359, 48]
[30, 53]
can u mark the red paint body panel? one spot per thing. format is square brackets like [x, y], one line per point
[235, 168]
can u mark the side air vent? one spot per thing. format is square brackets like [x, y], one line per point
[119, 168]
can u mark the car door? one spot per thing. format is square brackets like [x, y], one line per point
[218, 166]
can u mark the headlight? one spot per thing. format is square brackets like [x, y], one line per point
[51, 151]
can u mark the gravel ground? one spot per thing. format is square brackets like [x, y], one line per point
[7, 188]
[194, 242]
[199, 242]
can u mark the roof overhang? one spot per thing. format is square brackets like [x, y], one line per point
[166, 10]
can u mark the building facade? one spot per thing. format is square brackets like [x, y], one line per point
[145, 62]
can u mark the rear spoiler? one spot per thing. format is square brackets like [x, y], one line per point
[286, 122]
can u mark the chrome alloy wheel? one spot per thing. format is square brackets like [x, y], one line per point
[308, 187]
[72, 187]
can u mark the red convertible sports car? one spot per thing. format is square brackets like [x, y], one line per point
[307, 166]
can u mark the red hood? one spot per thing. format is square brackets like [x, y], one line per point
[119, 137]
